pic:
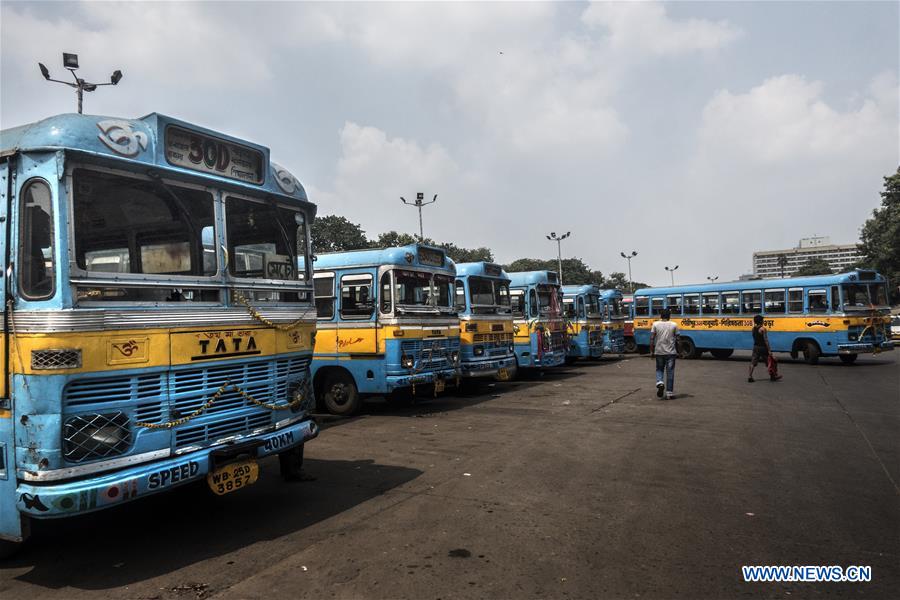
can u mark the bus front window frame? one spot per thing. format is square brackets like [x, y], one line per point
[27, 225]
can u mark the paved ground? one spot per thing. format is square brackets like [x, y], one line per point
[580, 484]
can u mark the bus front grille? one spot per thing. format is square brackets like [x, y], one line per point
[429, 354]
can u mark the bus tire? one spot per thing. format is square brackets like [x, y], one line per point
[340, 394]
[811, 352]
[643, 349]
[290, 463]
[686, 348]
[848, 359]
[9, 549]
[630, 346]
[722, 353]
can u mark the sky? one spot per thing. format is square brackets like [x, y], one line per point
[692, 133]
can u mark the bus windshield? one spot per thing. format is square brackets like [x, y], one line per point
[593, 305]
[861, 295]
[421, 291]
[548, 299]
[488, 296]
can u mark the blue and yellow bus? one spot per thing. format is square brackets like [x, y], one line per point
[540, 338]
[613, 321]
[826, 315]
[584, 321]
[157, 330]
[485, 321]
[386, 322]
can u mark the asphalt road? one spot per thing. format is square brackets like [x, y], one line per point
[579, 484]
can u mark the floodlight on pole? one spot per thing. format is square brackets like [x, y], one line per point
[671, 271]
[70, 63]
[558, 239]
[419, 204]
[713, 278]
[628, 257]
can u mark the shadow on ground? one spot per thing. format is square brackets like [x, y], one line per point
[160, 535]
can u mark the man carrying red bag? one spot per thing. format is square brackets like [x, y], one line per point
[762, 351]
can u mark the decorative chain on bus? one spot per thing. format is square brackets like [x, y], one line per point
[253, 312]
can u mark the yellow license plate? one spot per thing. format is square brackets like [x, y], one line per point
[233, 477]
[438, 386]
[503, 374]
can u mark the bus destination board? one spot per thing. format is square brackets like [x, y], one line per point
[199, 152]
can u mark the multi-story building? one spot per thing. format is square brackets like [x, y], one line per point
[778, 263]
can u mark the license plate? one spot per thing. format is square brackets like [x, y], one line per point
[438, 386]
[233, 477]
[503, 374]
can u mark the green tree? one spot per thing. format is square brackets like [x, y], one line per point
[332, 233]
[462, 255]
[457, 253]
[814, 266]
[575, 270]
[391, 239]
[880, 235]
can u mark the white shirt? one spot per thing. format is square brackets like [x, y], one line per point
[665, 334]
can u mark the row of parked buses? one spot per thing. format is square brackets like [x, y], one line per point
[164, 320]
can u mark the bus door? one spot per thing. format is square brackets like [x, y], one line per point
[326, 331]
[10, 521]
[356, 331]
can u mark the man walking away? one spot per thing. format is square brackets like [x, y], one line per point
[762, 351]
[662, 345]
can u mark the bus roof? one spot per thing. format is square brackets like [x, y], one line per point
[524, 278]
[481, 269]
[858, 276]
[610, 293]
[575, 290]
[164, 142]
[401, 256]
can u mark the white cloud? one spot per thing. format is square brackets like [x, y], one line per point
[644, 27]
[786, 119]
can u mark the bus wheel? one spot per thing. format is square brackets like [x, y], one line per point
[721, 353]
[687, 349]
[848, 359]
[643, 349]
[8, 549]
[340, 394]
[630, 346]
[291, 464]
[811, 353]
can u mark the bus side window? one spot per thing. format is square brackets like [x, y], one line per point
[324, 292]
[36, 242]
[386, 292]
[751, 302]
[641, 306]
[656, 305]
[674, 303]
[581, 308]
[356, 297]
[731, 303]
[795, 301]
[532, 304]
[711, 304]
[569, 310]
[835, 298]
[460, 302]
[817, 300]
[691, 304]
[775, 301]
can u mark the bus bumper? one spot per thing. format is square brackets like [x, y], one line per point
[865, 347]
[396, 382]
[486, 368]
[550, 359]
[106, 490]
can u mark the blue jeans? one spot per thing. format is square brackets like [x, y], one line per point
[666, 362]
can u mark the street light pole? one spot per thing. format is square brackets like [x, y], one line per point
[553, 238]
[70, 62]
[628, 257]
[671, 271]
[419, 204]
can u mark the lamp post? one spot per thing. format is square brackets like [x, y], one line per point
[553, 238]
[419, 204]
[628, 257]
[70, 62]
[671, 271]
[713, 279]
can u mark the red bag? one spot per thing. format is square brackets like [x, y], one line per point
[772, 364]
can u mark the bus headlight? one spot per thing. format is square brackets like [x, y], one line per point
[94, 436]
[478, 350]
[454, 357]
[407, 361]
